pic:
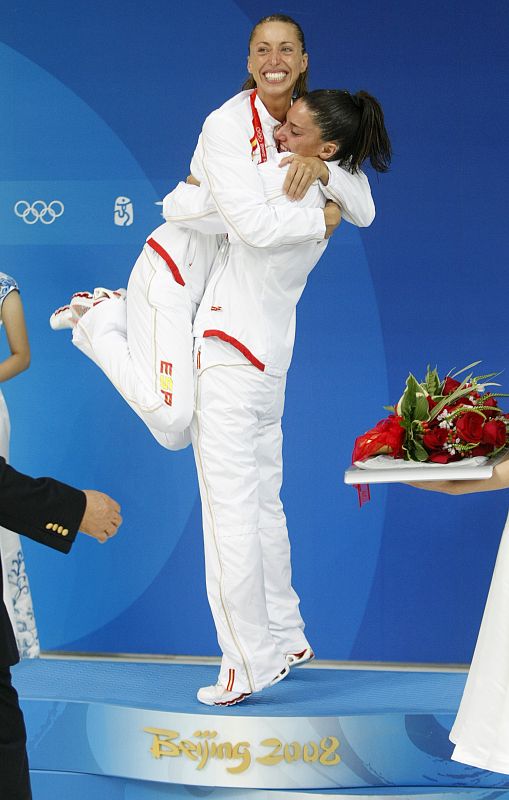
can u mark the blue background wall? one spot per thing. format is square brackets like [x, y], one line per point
[101, 101]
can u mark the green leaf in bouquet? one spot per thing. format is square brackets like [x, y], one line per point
[499, 450]
[408, 451]
[463, 410]
[470, 409]
[421, 410]
[469, 385]
[492, 394]
[432, 381]
[406, 424]
[481, 378]
[392, 409]
[406, 405]
[407, 401]
[421, 454]
[414, 450]
[413, 431]
[455, 374]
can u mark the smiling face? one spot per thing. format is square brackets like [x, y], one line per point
[276, 60]
[301, 135]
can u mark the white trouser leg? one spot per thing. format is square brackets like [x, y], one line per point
[146, 350]
[225, 429]
[285, 621]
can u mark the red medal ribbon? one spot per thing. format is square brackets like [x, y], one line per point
[257, 127]
[363, 493]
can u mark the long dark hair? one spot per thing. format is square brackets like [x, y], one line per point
[301, 86]
[355, 122]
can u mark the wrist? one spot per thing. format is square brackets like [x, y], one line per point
[324, 174]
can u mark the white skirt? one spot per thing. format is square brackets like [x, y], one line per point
[17, 597]
[481, 729]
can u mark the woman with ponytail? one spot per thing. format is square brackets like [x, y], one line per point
[353, 123]
[244, 333]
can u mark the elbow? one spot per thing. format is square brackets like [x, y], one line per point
[24, 361]
[367, 217]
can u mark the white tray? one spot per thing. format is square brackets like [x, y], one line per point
[383, 469]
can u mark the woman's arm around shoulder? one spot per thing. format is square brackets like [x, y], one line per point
[192, 207]
[352, 192]
[237, 190]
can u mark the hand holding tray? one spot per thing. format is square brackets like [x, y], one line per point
[384, 469]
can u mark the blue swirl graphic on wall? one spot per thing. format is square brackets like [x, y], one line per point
[61, 152]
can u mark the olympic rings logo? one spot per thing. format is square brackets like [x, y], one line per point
[39, 211]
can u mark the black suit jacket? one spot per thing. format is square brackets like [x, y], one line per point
[43, 509]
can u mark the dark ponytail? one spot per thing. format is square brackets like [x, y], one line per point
[355, 123]
[301, 86]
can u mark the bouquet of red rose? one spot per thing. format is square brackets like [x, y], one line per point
[440, 421]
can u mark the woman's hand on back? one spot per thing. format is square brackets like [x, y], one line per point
[332, 214]
[302, 172]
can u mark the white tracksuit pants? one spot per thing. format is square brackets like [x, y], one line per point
[237, 439]
[144, 345]
[236, 429]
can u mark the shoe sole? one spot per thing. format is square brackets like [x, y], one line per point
[283, 674]
[300, 662]
[60, 320]
[231, 702]
[239, 699]
[100, 293]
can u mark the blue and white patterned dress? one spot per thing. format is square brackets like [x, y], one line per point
[17, 597]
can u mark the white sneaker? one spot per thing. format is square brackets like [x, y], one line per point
[62, 318]
[218, 695]
[296, 659]
[68, 316]
[81, 302]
